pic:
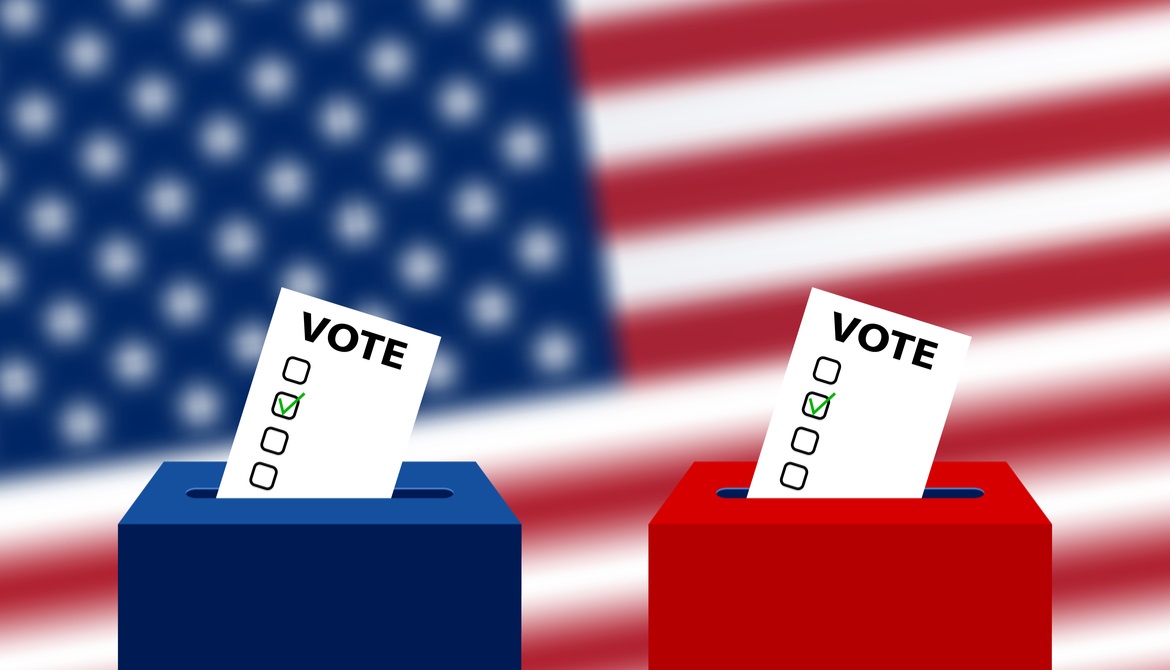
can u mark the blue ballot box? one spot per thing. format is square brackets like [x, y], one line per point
[429, 578]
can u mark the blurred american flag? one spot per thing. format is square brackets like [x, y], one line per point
[998, 167]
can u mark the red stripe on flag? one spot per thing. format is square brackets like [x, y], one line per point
[58, 578]
[957, 296]
[618, 640]
[1062, 426]
[668, 194]
[554, 507]
[688, 42]
[1112, 571]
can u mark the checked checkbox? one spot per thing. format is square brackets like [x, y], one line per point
[285, 405]
[816, 405]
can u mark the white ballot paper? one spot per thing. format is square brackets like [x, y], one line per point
[861, 406]
[332, 404]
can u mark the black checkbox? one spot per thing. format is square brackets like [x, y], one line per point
[805, 440]
[263, 476]
[285, 406]
[296, 370]
[794, 476]
[827, 370]
[274, 440]
[816, 406]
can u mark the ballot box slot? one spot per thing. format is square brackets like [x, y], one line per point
[400, 493]
[957, 492]
[941, 492]
[423, 492]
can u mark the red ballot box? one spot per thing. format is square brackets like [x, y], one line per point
[961, 578]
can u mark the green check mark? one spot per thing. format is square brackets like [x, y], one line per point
[810, 403]
[284, 410]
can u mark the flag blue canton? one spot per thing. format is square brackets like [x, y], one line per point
[166, 167]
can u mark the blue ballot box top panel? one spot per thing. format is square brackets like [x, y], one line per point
[181, 493]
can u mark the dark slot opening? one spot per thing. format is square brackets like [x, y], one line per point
[954, 492]
[423, 493]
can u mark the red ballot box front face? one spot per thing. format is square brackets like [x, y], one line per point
[851, 583]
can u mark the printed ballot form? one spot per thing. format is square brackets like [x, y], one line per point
[332, 404]
[861, 406]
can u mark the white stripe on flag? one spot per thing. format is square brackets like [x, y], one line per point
[592, 12]
[579, 578]
[1135, 637]
[86, 639]
[1112, 500]
[911, 81]
[897, 231]
[1031, 357]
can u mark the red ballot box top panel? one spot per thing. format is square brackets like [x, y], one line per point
[1004, 501]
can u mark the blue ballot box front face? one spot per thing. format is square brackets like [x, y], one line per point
[429, 578]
